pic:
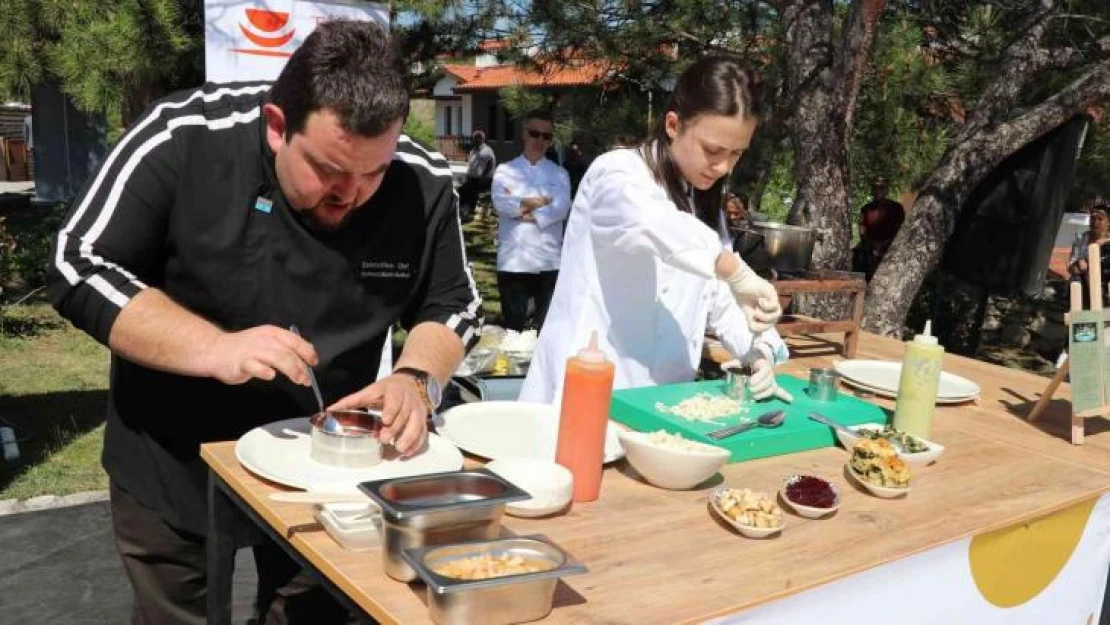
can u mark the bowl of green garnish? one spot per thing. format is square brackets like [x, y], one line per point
[914, 450]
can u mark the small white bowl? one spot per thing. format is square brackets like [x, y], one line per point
[919, 459]
[668, 468]
[884, 492]
[810, 512]
[551, 485]
[747, 530]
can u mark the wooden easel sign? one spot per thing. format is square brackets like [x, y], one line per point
[1088, 360]
[1085, 352]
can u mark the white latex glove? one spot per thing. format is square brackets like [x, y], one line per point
[756, 297]
[762, 383]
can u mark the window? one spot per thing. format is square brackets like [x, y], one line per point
[447, 121]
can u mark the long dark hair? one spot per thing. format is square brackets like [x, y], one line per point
[713, 85]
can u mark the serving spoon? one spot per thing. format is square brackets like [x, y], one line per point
[771, 419]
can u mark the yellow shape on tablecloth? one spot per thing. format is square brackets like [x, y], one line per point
[1014, 564]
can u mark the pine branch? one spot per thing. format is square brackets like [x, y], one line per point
[1068, 56]
[1092, 87]
[1016, 69]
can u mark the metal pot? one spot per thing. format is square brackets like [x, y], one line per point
[771, 245]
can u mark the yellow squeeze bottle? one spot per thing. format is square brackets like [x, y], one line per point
[917, 388]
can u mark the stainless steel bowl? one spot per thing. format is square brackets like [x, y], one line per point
[354, 446]
[785, 248]
[438, 509]
[495, 600]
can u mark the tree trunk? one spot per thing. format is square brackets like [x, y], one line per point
[920, 242]
[825, 84]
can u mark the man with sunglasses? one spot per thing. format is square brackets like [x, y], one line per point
[532, 197]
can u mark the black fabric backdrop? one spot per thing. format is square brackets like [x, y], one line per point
[1004, 237]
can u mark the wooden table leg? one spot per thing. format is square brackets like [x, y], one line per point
[1046, 397]
[1077, 430]
[851, 338]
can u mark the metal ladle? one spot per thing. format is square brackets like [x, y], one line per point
[331, 425]
[771, 419]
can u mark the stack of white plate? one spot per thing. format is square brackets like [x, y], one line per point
[881, 378]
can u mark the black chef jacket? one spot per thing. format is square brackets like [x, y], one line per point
[188, 202]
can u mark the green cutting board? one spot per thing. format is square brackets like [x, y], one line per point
[635, 407]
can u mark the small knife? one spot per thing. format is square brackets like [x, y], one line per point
[833, 424]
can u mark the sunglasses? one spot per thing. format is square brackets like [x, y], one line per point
[535, 134]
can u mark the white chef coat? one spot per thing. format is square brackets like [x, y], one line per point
[530, 246]
[641, 273]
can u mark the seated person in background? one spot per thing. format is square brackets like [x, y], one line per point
[576, 165]
[479, 175]
[1099, 233]
[879, 221]
[736, 215]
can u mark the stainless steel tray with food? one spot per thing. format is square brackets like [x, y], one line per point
[438, 509]
[493, 582]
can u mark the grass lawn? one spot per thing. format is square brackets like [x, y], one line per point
[53, 389]
[54, 381]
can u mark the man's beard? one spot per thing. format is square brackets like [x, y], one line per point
[309, 218]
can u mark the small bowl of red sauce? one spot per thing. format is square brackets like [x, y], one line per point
[810, 496]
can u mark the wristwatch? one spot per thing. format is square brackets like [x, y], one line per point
[433, 394]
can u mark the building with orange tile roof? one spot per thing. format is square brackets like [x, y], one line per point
[466, 96]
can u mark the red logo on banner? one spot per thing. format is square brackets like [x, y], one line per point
[270, 23]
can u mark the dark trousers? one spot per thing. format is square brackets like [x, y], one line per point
[468, 196]
[517, 289]
[168, 572]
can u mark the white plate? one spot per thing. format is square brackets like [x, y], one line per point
[882, 377]
[279, 452]
[550, 485]
[512, 429]
[941, 401]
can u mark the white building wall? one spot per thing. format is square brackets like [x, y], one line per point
[467, 114]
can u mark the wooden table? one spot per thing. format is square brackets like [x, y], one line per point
[658, 556]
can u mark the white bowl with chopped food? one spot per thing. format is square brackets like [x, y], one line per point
[670, 461]
[882, 492]
[915, 451]
[551, 485]
[752, 513]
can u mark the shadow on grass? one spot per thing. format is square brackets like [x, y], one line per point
[47, 422]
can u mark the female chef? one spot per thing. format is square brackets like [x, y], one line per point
[645, 261]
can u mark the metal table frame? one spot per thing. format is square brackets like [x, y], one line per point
[233, 524]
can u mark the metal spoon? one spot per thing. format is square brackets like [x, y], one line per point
[331, 425]
[771, 419]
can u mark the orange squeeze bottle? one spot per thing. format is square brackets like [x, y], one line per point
[584, 418]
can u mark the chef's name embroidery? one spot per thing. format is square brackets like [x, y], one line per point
[385, 269]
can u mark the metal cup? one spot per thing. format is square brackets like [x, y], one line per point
[823, 384]
[739, 384]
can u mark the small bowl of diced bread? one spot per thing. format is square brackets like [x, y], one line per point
[752, 513]
[670, 461]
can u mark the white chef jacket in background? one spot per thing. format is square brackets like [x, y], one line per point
[525, 246]
[641, 273]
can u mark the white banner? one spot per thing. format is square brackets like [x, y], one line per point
[1051, 570]
[246, 40]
